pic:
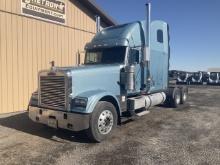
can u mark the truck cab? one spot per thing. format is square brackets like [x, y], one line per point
[183, 77]
[213, 78]
[125, 70]
[197, 78]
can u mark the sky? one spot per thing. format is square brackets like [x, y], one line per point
[194, 28]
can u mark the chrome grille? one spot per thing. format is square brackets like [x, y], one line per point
[53, 92]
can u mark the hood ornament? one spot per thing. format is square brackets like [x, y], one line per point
[53, 68]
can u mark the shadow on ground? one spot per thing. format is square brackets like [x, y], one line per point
[21, 122]
[181, 107]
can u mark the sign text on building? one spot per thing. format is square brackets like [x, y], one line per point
[50, 10]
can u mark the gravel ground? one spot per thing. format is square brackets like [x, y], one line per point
[188, 135]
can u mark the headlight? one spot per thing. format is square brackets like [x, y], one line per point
[79, 102]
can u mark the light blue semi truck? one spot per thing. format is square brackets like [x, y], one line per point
[125, 72]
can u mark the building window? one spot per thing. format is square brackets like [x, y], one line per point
[160, 36]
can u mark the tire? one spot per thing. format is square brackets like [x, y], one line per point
[184, 95]
[175, 98]
[102, 121]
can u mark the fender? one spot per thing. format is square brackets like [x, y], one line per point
[94, 97]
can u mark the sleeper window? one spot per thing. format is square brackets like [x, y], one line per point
[160, 36]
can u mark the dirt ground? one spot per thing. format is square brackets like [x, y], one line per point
[188, 135]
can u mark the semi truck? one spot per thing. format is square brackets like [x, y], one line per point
[199, 77]
[213, 78]
[196, 78]
[219, 78]
[173, 74]
[183, 78]
[125, 72]
[205, 77]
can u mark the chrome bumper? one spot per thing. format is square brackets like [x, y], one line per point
[59, 119]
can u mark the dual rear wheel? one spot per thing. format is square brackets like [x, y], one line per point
[176, 96]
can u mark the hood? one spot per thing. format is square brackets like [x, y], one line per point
[94, 77]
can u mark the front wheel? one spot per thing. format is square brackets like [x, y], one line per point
[102, 122]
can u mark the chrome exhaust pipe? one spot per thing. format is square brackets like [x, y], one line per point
[146, 58]
[97, 24]
[147, 37]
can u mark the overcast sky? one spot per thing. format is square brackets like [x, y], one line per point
[194, 27]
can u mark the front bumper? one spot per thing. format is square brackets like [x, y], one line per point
[65, 120]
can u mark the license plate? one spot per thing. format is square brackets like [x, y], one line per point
[52, 123]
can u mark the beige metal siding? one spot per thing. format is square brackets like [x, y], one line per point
[27, 45]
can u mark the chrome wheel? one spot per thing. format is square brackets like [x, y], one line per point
[178, 99]
[105, 122]
[184, 97]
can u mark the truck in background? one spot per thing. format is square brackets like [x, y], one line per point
[199, 78]
[190, 78]
[173, 74]
[213, 78]
[183, 78]
[219, 78]
[205, 77]
[124, 74]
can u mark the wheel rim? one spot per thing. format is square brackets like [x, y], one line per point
[105, 122]
[184, 97]
[178, 99]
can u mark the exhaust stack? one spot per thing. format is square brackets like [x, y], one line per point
[97, 24]
[146, 77]
[147, 37]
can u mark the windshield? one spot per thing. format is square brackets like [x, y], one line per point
[114, 55]
[196, 74]
[213, 75]
[183, 75]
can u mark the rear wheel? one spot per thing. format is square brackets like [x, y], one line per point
[173, 97]
[102, 121]
[184, 95]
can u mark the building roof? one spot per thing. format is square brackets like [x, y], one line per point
[92, 5]
[213, 69]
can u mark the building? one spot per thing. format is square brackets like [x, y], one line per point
[213, 70]
[35, 32]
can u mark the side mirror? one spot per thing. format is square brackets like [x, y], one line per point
[134, 56]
